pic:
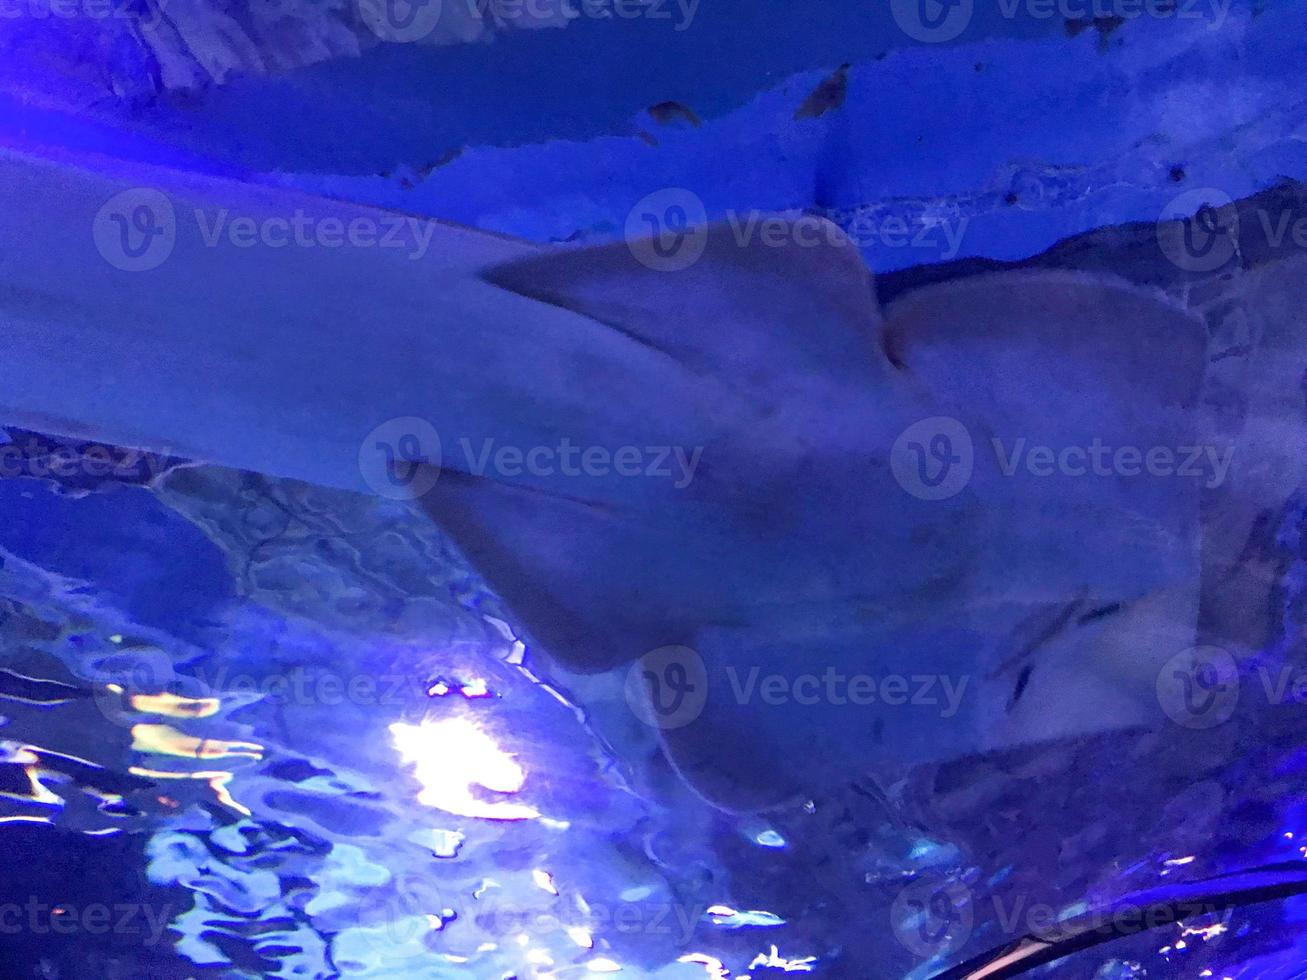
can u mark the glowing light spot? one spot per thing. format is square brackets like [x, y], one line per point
[1179, 862]
[165, 740]
[40, 793]
[217, 782]
[1206, 932]
[475, 689]
[714, 967]
[174, 705]
[603, 965]
[769, 838]
[776, 961]
[450, 757]
[729, 918]
[581, 937]
[544, 880]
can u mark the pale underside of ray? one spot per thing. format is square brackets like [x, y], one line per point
[793, 545]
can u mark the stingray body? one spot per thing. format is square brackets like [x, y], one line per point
[810, 535]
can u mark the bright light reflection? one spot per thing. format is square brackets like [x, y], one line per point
[451, 756]
[714, 967]
[774, 960]
[544, 881]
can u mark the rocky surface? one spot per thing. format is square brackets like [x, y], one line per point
[82, 54]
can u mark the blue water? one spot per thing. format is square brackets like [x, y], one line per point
[316, 621]
[252, 728]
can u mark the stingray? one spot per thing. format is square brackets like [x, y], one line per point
[860, 509]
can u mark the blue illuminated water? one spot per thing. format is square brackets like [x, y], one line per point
[274, 730]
